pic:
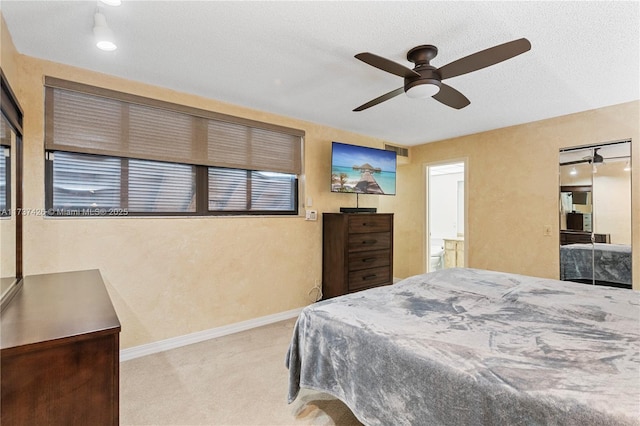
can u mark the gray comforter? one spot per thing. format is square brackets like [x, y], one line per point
[612, 262]
[473, 347]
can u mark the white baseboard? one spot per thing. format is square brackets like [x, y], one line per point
[199, 336]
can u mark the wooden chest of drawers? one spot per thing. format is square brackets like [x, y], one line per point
[59, 352]
[357, 252]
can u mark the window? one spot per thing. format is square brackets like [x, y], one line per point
[85, 184]
[244, 190]
[5, 168]
[110, 153]
[5, 179]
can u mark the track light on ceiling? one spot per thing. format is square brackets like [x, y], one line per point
[103, 34]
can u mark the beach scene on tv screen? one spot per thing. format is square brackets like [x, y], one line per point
[362, 170]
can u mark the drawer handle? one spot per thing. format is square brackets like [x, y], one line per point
[369, 259]
[368, 277]
[369, 241]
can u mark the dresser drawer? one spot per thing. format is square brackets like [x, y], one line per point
[371, 241]
[369, 259]
[369, 278]
[360, 223]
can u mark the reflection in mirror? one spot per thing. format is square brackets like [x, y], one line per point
[595, 214]
[576, 207]
[7, 219]
[10, 193]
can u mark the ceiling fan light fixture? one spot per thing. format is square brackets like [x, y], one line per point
[423, 89]
[103, 34]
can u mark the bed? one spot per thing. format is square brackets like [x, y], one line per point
[612, 263]
[472, 347]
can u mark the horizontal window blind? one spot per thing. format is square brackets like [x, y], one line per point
[271, 191]
[97, 185]
[244, 190]
[228, 190]
[236, 146]
[4, 180]
[5, 167]
[9, 106]
[5, 132]
[87, 119]
[85, 182]
[160, 187]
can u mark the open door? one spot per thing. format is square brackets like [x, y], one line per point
[445, 215]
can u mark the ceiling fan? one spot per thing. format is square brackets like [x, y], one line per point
[425, 80]
[594, 159]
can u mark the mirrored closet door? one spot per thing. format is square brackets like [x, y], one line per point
[10, 193]
[595, 214]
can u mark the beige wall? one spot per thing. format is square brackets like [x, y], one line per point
[512, 189]
[612, 206]
[7, 51]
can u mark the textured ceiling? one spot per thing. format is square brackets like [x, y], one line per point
[297, 58]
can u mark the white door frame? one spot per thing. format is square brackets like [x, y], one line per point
[426, 237]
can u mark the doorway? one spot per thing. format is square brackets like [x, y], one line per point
[445, 215]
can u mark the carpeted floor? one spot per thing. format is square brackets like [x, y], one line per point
[240, 379]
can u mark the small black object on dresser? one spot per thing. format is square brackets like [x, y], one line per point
[357, 252]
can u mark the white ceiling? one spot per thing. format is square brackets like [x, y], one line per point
[296, 58]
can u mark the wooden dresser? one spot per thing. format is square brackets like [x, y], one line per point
[59, 352]
[582, 237]
[357, 252]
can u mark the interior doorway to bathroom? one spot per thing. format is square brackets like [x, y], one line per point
[445, 215]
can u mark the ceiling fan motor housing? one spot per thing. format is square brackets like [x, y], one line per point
[421, 55]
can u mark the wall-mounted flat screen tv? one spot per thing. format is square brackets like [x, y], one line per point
[362, 170]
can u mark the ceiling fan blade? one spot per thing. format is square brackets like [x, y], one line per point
[451, 97]
[485, 58]
[381, 99]
[569, 163]
[386, 65]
